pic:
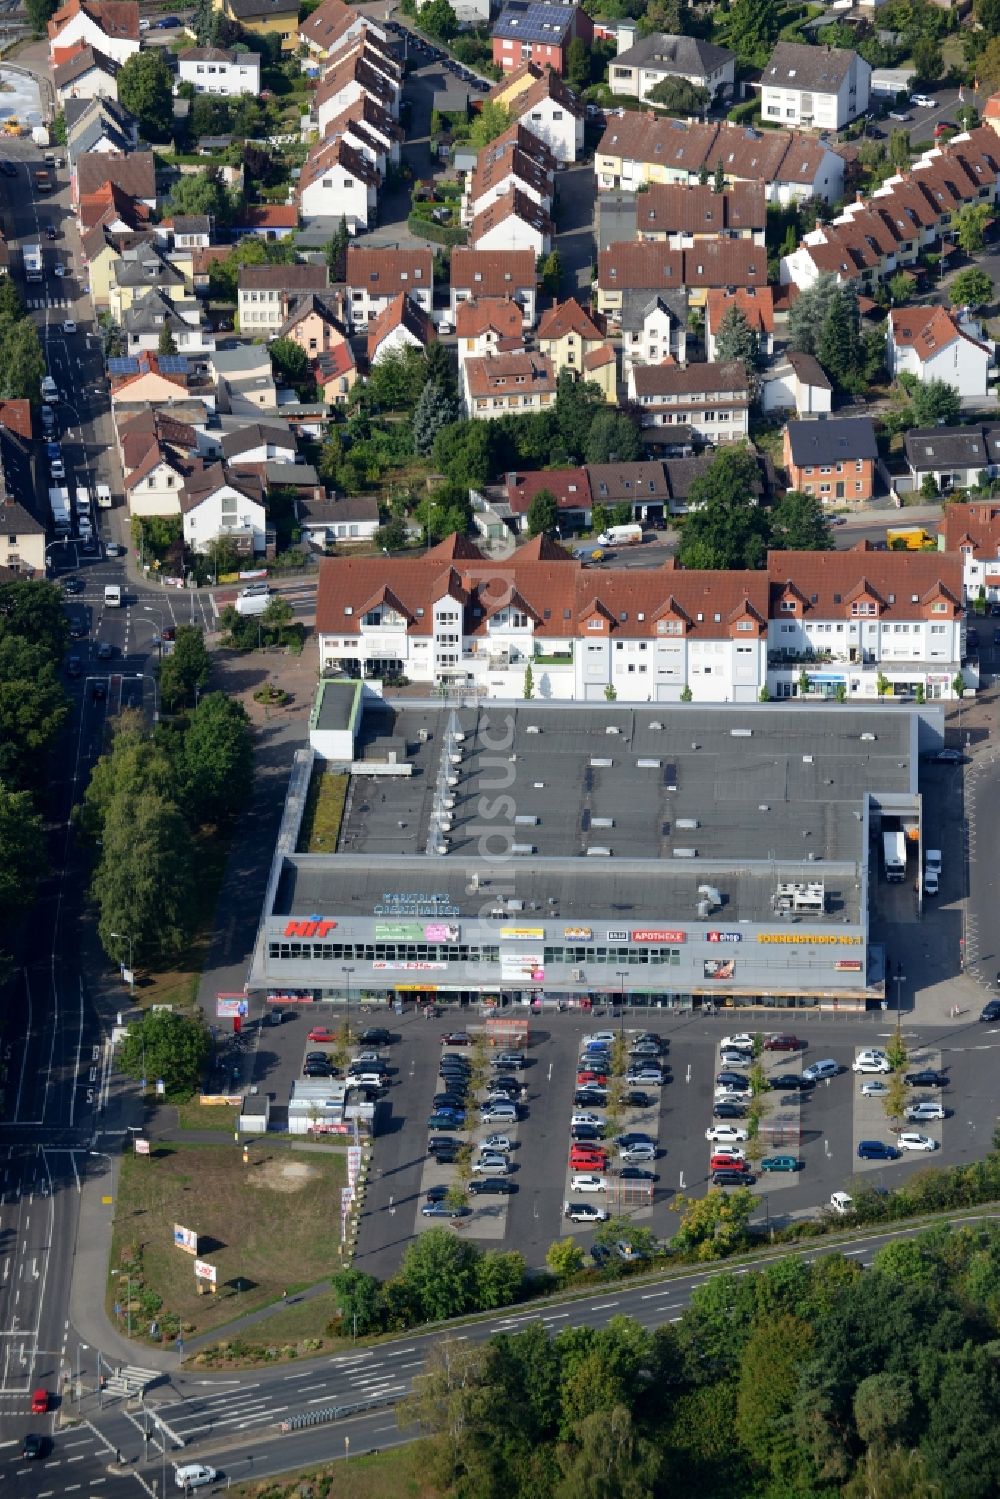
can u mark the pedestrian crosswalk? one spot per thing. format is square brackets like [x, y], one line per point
[36, 304]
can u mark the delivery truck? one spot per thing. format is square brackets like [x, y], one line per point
[253, 599]
[620, 536]
[894, 855]
[33, 268]
[59, 505]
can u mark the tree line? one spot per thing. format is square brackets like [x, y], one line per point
[804, 1380]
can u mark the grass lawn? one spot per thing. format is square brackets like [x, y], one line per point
[195, 1115]
[400, 1471]
[298, 1326]
[270, 1226]
[178, 985]
[323, 813]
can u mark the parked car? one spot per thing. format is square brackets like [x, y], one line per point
[780, 1163]
[586, 1133]
[730, 1057]
[742, 1040]
[728, 1177]
[444, 1122]
[456, 1038]
[442, 1210]
[873, 1087]
[911, 1140]
[635, 1098]
[375, 1035]
[877, 1150]
[842, 1203]
[791, 1082]
[729, 1160]
[724, 1134]
[591, 1097]
[927, 1078]
[586, 1212]
[871, 1059]
[818, 1071]
[515, 1059]
[920, 1113]
[728, 1108]
[492, 1186]
[923, 101]
[990, 1011]
[737, 1079]
[783, 1041]
[588, 1182]
[636, 1174]
[501, 1143]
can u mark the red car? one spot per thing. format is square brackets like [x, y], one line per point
[782, 1042]
[585, 1158]
[321, 1034]
[582, 1078]
[40, 1402]
[725, 1162]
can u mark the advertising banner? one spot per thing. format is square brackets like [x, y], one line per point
[809, 939]
[522, 934]
[231, 1006]
[142, 1147]
[415, 931]
[658, 934]
[204, 1271]
[578, 933]
[848, 965]
[382, 964]
[725, 936]
[353, 1163]
[720, 968]
[522, 967]
[186, 1239]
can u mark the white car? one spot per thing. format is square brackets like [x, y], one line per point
[732, 1090]
[588, 1182]
[842, 1202]
[923, 101]
[871, 1060]
[586, 1212]
[59, 270]
[68, 325]
[919, 1113]
[742, 1041]
[500, 1143]
[193, 1475]
[725, 1134]
[491, 1164]
[585, 1118]
[910, 1140]
[874, 1089]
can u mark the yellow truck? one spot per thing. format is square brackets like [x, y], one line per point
[910, 539]
[13, 126]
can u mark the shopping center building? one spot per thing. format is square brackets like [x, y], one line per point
[519, 853]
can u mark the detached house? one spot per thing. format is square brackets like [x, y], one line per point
[538, 31]
[85, 74]
[332, 25]
[653, 327]
[929, 343]
[217, 70]
[822, 88]
[402, 324]
[835, 459]
[568, 336]
[151, 313]
[375, 277]
[756, 303]
[639, 67]
[490, 325]
[507, 384]
[110, 27]
[954, 458]
[713, 400]
[218, 503]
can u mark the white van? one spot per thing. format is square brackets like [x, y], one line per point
[103, 497]
[194, 1476]
[112, 596]
[50, 390]
[81, 501]
[253, 599]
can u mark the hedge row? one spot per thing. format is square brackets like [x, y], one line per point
[440, 234]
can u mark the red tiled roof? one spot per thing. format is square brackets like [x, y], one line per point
[692, 379]
[975, 523]
[135, 174]
[509, 375]
[269, 216]
[401, 312]
[116, 18]
[510, 205]
[476, 315]
[756, 304]
[901, 584]
[383, 273]
[570, 486]
[567, 317]
[490, 273]
[15, 415]
[677, 208]
[926, 330]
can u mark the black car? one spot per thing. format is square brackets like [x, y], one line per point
[443, 1145]
[98, 691]
[739, 1078]
[34, 1446]
[438, 1194]
[77, 629]
[317, 1069]
[319, 1056]
[726, 1110]
[441, 1102]
[582, 1133]
[791, 1082]
[51, 232]
[73, 667]
[727, 1177]
[991, 1010]
[590, 1098]
[104, 651]
[72, 585]
[636, 1174]
[503, 1081]
[635, 1098]
[926, 1079]
[8, 168]
[492, 1186]
[376, 1036]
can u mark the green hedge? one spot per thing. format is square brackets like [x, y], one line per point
[440, 234]
[745, 113]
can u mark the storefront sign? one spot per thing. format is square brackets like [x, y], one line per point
[658, 934]
[725, 936]
[616, 935]
[579, 933]
[314, 927]
[522, 933]
[415, 931]
[807, 939]
[437, 931]
[719, 968]
[382, 964]
[417, 988]
[415, 903]
[848, 965]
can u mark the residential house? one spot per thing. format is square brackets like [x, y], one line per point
[507, 384]
[220, 505]
[186, 231]
[643, 486]
[333, 24]
[756, 303]
[638, 150]
[110, 27]
[370, 129]
[257, 443]
[113, 209]
[139, 269]
[488, 325]
[402, 324]
[872, 239]
[134, 174]
[493, 273]
[339, 520]
[335, 373]
[797, 382]
[683, 214]
[970, 531]
[956, 458]
[851, 622]
[315, 323]
[834, 460]
[244, 379]
[638, 68]
[713, 400]
[99, 124]
[652, 267]
[929, 343]
[153, 311]
[653, 327]
[569, 487]
[148, 381]
[154, 485]
[265, 293]
[374, 277]
[814, 87]
[218, 70]
[353, 77]
[538, 31]
[101, 249]
[86, 74]
[567, 335]
[549, 108]
[516, 161]
[264, 18]
[22, 536]
[512, 222]
[338, 181]
[266, 220]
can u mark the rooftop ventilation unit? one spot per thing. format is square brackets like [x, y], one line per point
[711, 894]
[685, 853]
[602, 822]
[612, 729]
[596, 763]
[869, 737]
[655, 724]
[688, 822]
[645, 764]
[522, 848]
[527, 821]
[533, 728]
[741, 733]
[598, 853]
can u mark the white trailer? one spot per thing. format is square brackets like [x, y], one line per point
[894, 854]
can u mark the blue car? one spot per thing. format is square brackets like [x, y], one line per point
[877, 1150]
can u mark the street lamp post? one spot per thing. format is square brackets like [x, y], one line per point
[621, 974]
[124, 937]
[900, 975]
[347, 970]
[79, 1348]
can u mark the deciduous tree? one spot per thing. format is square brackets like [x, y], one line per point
[799, 524]
[145, 87]
[612, 437]
[972, 287]
[23, 859]
[679, 96]
[145, 882]
[185, 672]
[217, 760]
[936, 403]
[165, 1044]
[543, 513]
[441, 1274]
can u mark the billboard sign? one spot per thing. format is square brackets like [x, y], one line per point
[720, 968]
[204, 1271]
[415, 931]
[186, 1239]
[658, 934]
[522, 933]
[141, 1147]
[522, 967]
[231, 1007]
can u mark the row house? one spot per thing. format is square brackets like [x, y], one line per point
[653, 327]
[713, 400]
[113, 209]
[820, 623]
[638, 150]
[488, 325]
[134, 174]
[954, 458]
[654, 267]
[872, 239]
[507, 385]
[538, 31]
[513, 221]
[99, 125]
[374, 277]
[371, 130]
[85, 73]
[682, 213]
[835, 460]
[569, 337]
[266, 294]
[333, 25]
[360, 73]
[140, 269]
[538, 99]
[930, 344]
[970, 531]
[652, 488]
[403, 324]
[338, 181]
[494, 273]
[110, 27]
[516, 160]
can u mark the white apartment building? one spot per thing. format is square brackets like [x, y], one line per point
[814, 88]
[216, 70]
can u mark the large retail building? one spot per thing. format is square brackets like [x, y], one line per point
[521, 852]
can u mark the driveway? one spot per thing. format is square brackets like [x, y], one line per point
[576, 193]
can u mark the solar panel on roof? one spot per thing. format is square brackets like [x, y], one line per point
[173, 364]
[126, 365]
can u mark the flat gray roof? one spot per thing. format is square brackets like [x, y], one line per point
[336, 702]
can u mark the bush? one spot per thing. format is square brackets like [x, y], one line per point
[440, 234]
[746, 113]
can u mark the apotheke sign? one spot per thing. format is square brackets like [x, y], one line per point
[658, 934]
